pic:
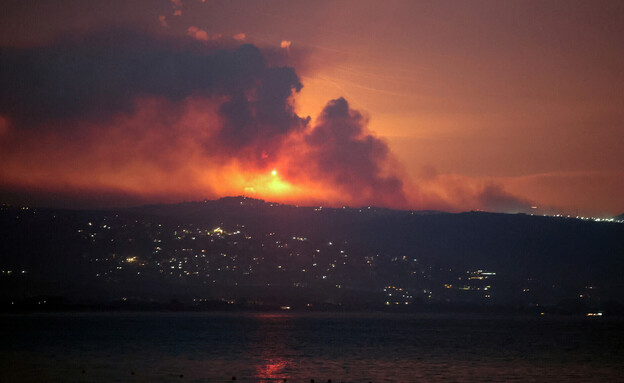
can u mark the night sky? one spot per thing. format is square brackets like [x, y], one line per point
[495, 105]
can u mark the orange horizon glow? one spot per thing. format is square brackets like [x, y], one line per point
[500, 107]
[107, 165]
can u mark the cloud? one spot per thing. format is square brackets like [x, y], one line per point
[124, 110]
[456, 192]
[285, 44]
[197, 33]
[493, 197]
[353, 159]
[176, 118]
[162, 151]
[239, 36]
[262, 114]
[93, 78]
[152, 119]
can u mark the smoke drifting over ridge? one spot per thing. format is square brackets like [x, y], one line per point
[354, 159]
[169, 119]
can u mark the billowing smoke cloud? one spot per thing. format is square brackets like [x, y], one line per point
[179, 118]
[96, 77]
[341, 149]
[264, 113]
[119, 118]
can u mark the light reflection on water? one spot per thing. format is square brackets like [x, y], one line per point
[272, 369]
[159, 347]
[272, 365]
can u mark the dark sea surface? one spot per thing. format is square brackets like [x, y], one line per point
[209, 347]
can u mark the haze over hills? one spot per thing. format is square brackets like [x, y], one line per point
[239, 252]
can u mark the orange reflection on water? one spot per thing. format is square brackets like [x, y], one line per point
[275, 360]
[273, 370]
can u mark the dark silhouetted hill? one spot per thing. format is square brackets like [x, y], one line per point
[239, 249]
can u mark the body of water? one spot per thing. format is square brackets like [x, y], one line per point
[210, 347]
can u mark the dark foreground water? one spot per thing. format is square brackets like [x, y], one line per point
[195, 347]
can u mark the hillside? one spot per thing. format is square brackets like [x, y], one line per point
[244, 251]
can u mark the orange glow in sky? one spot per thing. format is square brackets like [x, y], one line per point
[498, 107]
